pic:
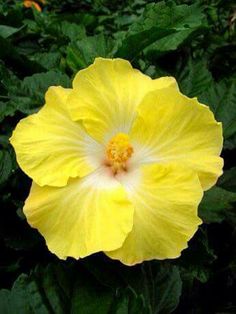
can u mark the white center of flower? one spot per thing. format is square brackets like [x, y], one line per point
[118, 151]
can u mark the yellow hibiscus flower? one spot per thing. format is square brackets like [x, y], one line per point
[119, 164]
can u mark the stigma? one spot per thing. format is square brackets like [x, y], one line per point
[118, 151]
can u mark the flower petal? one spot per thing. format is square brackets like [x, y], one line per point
[171, 127]
[86, 216]
[106, 94]
[50, 147]
[165, 199]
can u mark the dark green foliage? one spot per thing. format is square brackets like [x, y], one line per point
[5, 165]
[216, 205]
[193, 41]
[72, 288]
[81, 53]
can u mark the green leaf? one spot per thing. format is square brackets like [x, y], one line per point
[221, 97]
[129, 303]
[24, 297]
[10, 54]
[6, 109]
[69, 288]
[195, 78]
[8, 80]
[90, 298]
[215, 204]
[5, 165]
[192, 267]
[228, 180]
[83, 52]
[135, 43]
[164, 287]
[29, 95]
[36, 85]
[160, 284]
[49, 60]
[185, 19]
[7, 31]
[196, 81]
[72, 30]
[56, 289]
[105, 273]
[230, 143]
[162, 27]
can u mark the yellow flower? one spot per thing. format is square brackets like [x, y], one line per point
[119, 164]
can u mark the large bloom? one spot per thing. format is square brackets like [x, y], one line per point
[119, 164]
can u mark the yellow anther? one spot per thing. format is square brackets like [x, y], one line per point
[119, 151]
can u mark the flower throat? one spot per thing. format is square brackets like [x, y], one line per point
[118, 151]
